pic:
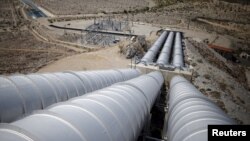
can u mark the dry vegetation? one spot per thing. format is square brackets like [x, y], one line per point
[72, 7]
[10, 17]
[134, 48]
[212, 16]
[235, 70]
[221, 16]
[222, 82]
[20, 51]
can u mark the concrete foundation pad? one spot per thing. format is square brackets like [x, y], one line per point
[168, 74]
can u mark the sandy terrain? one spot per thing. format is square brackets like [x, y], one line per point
[220, 87]
[144, 29]
[107, 58]
[94, 6]
[21, 50]
[248, 76]
[26, 54]
[75, 24]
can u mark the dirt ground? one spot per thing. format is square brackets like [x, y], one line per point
[219, 86]
[107, 58]
[248, 77]
[66, 7]
[26, 54]
[20, 50]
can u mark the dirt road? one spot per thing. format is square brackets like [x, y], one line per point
[107, 58]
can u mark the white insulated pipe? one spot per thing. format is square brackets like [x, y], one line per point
[165, 54]
[22, 94]
[190, 113]
[178, 58]
[118, 112]
[149, 57]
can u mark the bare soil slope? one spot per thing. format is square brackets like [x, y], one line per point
[107, 58]
[72, 7]
[219, 85]
[20, 50]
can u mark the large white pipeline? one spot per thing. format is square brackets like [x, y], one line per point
[190, 113]
[178, 57]
[149, 57]
[165, 54]
[22, 94]
[115, 113]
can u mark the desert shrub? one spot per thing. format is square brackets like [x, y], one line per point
[199, 61]
[242, 101]
[194, 64]
[222, 86]
[208, 89]
[215, 94]
[207, 76]
[221, 105]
